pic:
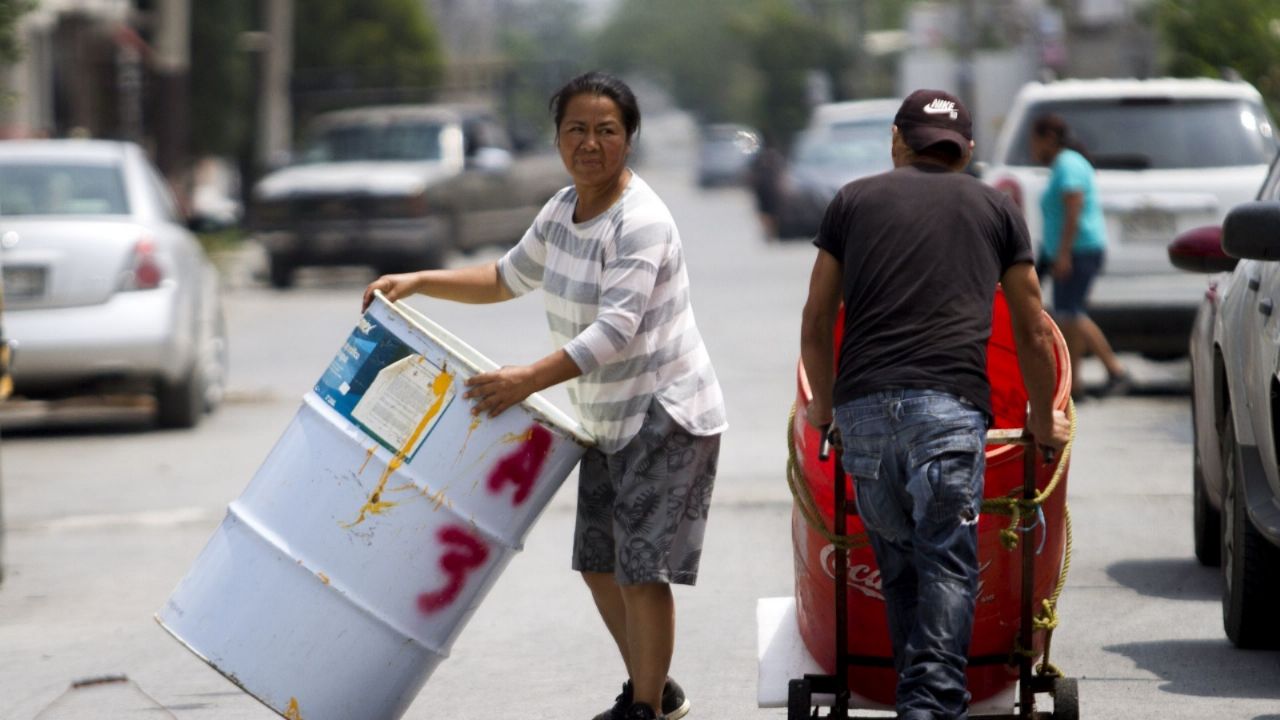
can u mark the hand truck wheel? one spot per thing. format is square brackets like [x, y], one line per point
[1066, 699]
[799, 696]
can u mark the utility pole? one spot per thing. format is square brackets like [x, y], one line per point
[275, 102]
[172, 99]
[965, 86]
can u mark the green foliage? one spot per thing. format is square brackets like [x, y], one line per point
[221, 76]
[10, 11]
[785, 47]
[743, 60]
[381, 42]
[544, 46]
[689, 48]
[1204, 38]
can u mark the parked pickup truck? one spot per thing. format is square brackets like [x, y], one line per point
[395, 187]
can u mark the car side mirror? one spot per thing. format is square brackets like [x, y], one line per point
[1252, 231]
[1200, 250]
[491, 160]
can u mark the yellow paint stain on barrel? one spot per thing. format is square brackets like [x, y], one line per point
[368, 456]
[475, 423]
[513, 438]
[438, 499]
[375, 505]
[292, 712]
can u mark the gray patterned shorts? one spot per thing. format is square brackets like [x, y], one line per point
[642, 511]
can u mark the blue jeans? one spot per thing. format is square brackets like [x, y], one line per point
[918, 460]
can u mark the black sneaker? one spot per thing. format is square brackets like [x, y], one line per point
[641, 711]
[1121, 384]
[674, 704]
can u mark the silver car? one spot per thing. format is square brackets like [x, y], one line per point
[1236, 411]
[844, 141]
[105, 289]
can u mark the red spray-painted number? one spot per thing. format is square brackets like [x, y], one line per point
[466, 553]
[522, 466]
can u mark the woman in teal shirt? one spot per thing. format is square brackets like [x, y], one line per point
[1074, 247]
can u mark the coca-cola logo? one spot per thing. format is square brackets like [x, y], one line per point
[866, 579]
[862, 577]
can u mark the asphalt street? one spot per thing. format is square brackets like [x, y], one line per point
[103, 520]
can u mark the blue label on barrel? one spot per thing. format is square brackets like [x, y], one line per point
[384, 387]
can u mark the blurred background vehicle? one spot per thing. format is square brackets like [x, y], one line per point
[1236, 411]
[843, 142]
[396, 187]
[1171, 155]
[215, 196]
[725, 152]
[6, 389]
[106, 291]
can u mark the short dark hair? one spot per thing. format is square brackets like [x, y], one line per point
[1051, 126]
[1055, 128]
[598, 83]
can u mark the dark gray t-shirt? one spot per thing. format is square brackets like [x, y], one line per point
[922, 249]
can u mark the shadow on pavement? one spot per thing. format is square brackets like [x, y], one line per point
[1169, 578]
[1207, 668]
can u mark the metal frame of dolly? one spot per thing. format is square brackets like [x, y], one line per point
[1064, 690]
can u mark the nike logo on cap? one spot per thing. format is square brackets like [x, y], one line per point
[942, 107]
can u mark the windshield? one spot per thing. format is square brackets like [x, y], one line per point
[396, 141]
[1160, 133]
[53, 189]
[858, 147]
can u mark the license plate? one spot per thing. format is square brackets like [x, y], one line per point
[1149, 226]
[23, 282]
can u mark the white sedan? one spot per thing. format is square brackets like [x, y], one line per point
[1236, 411]
[105, 289]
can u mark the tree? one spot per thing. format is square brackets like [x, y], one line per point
[785, 48]
[384, 44]
[687, 47]
[543, 45]
[747, 60]
[10, 12]
[1206, 38]
[222, 77]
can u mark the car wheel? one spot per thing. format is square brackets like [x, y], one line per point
[216, 363]
[181, 403]
[1206, 522]
[1250, 565]
[280, 272]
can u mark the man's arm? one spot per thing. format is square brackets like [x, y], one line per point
[817, 350]
[1033, 337]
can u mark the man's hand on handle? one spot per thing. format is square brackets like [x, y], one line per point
[1051, 431]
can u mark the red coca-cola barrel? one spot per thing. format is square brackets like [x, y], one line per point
[998, 609]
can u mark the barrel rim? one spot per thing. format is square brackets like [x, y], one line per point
[476, 361]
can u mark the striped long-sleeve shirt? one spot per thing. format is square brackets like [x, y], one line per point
[617, 300]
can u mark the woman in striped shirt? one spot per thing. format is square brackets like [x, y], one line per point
[608, 257]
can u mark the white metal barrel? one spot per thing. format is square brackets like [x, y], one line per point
[344, 572]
